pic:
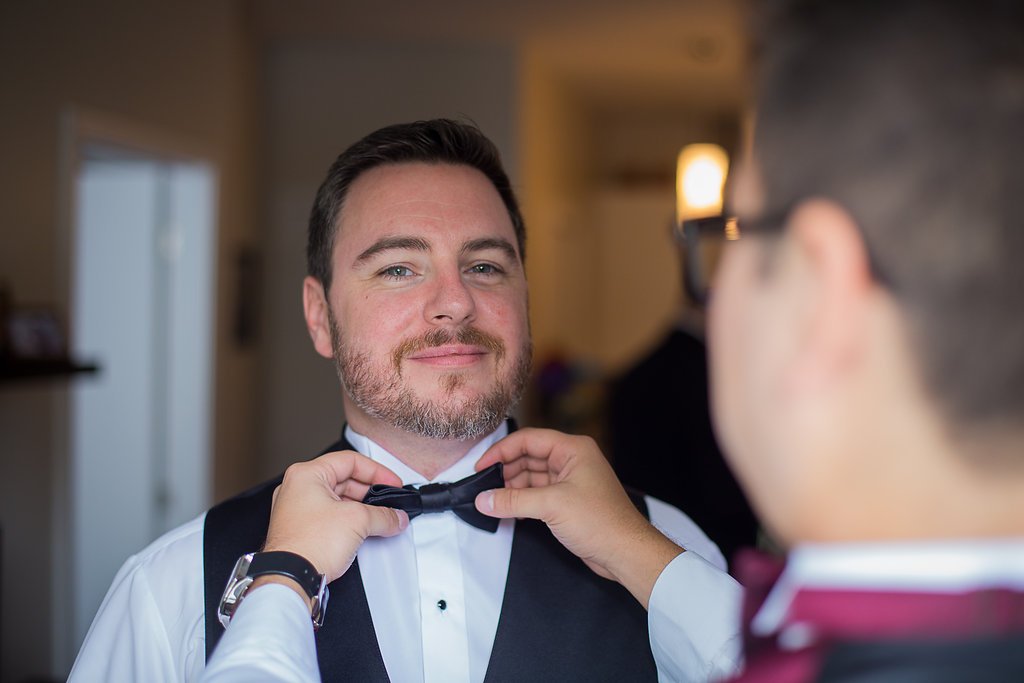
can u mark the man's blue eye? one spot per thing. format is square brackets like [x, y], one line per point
[396, 271]
[483, 268]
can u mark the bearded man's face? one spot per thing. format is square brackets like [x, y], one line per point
[428, 304]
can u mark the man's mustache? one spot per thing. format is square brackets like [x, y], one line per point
[469, 336]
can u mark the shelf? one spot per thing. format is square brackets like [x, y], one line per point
[22, 370]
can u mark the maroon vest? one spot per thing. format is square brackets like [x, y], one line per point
[861, 636]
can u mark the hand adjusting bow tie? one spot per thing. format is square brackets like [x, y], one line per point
[457, 496]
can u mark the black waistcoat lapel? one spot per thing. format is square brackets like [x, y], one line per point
[346, 645]
[561, 622]
[232, 528]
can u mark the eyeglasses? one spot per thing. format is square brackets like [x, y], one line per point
[702, 240]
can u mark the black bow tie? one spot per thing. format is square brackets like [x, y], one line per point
[457, 497]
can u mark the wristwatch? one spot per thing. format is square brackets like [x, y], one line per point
[295, 567]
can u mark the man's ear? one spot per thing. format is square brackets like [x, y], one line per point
[835, 274]
[314, 303]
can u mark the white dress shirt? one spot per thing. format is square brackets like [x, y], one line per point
[438, 558]
[150, 626]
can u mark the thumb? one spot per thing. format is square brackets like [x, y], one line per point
[382, 521]
[508, 502]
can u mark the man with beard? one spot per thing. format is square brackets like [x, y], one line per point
[416, 289]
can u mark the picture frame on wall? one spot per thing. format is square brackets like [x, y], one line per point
[33, 334]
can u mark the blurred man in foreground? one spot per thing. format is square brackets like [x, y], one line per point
[867, 359]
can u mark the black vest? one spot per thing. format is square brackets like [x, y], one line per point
[559, 621]
[993, 659]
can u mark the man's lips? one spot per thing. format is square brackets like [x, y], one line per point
[449, 355]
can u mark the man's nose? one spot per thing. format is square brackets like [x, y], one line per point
[451, 300]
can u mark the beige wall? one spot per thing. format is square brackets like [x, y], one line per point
[182, 68]
[558, 146]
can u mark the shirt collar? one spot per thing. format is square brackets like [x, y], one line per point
[919, 566]
[462, 468]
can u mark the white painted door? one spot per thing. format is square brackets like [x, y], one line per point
[142, 308]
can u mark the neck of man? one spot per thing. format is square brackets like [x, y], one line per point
[870, 455]
[911, 498]
[898, 472]
[424, 455]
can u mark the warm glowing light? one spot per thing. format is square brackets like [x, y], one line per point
[700, 181]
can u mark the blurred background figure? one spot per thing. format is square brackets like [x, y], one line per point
[659, 427]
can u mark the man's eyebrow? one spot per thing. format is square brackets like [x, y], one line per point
[485, 243]
[388, 243]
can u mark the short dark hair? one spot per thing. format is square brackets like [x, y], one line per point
[910, 114]
[438, 141]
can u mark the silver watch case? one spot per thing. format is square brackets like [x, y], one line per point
[239, 584]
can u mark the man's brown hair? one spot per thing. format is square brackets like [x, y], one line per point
[436, 141]
[910, 114]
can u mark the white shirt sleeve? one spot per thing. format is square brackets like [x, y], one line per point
[683, 531]
[150, 624]
[269, 640]
[694, 621]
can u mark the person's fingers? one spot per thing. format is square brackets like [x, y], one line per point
[518, 502]
[531, 457]
[347, 475]
[341, 466]
[523, 443]
[382, 521]
[531, 463]
[526, 478]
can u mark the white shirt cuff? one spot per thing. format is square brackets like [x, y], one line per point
[694, 621]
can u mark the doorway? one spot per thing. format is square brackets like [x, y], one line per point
[142, 248]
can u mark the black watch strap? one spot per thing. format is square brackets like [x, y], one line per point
[295, 567]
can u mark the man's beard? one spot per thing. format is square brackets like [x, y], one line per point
[381, 393]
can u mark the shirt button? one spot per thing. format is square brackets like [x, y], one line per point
[442, 605]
